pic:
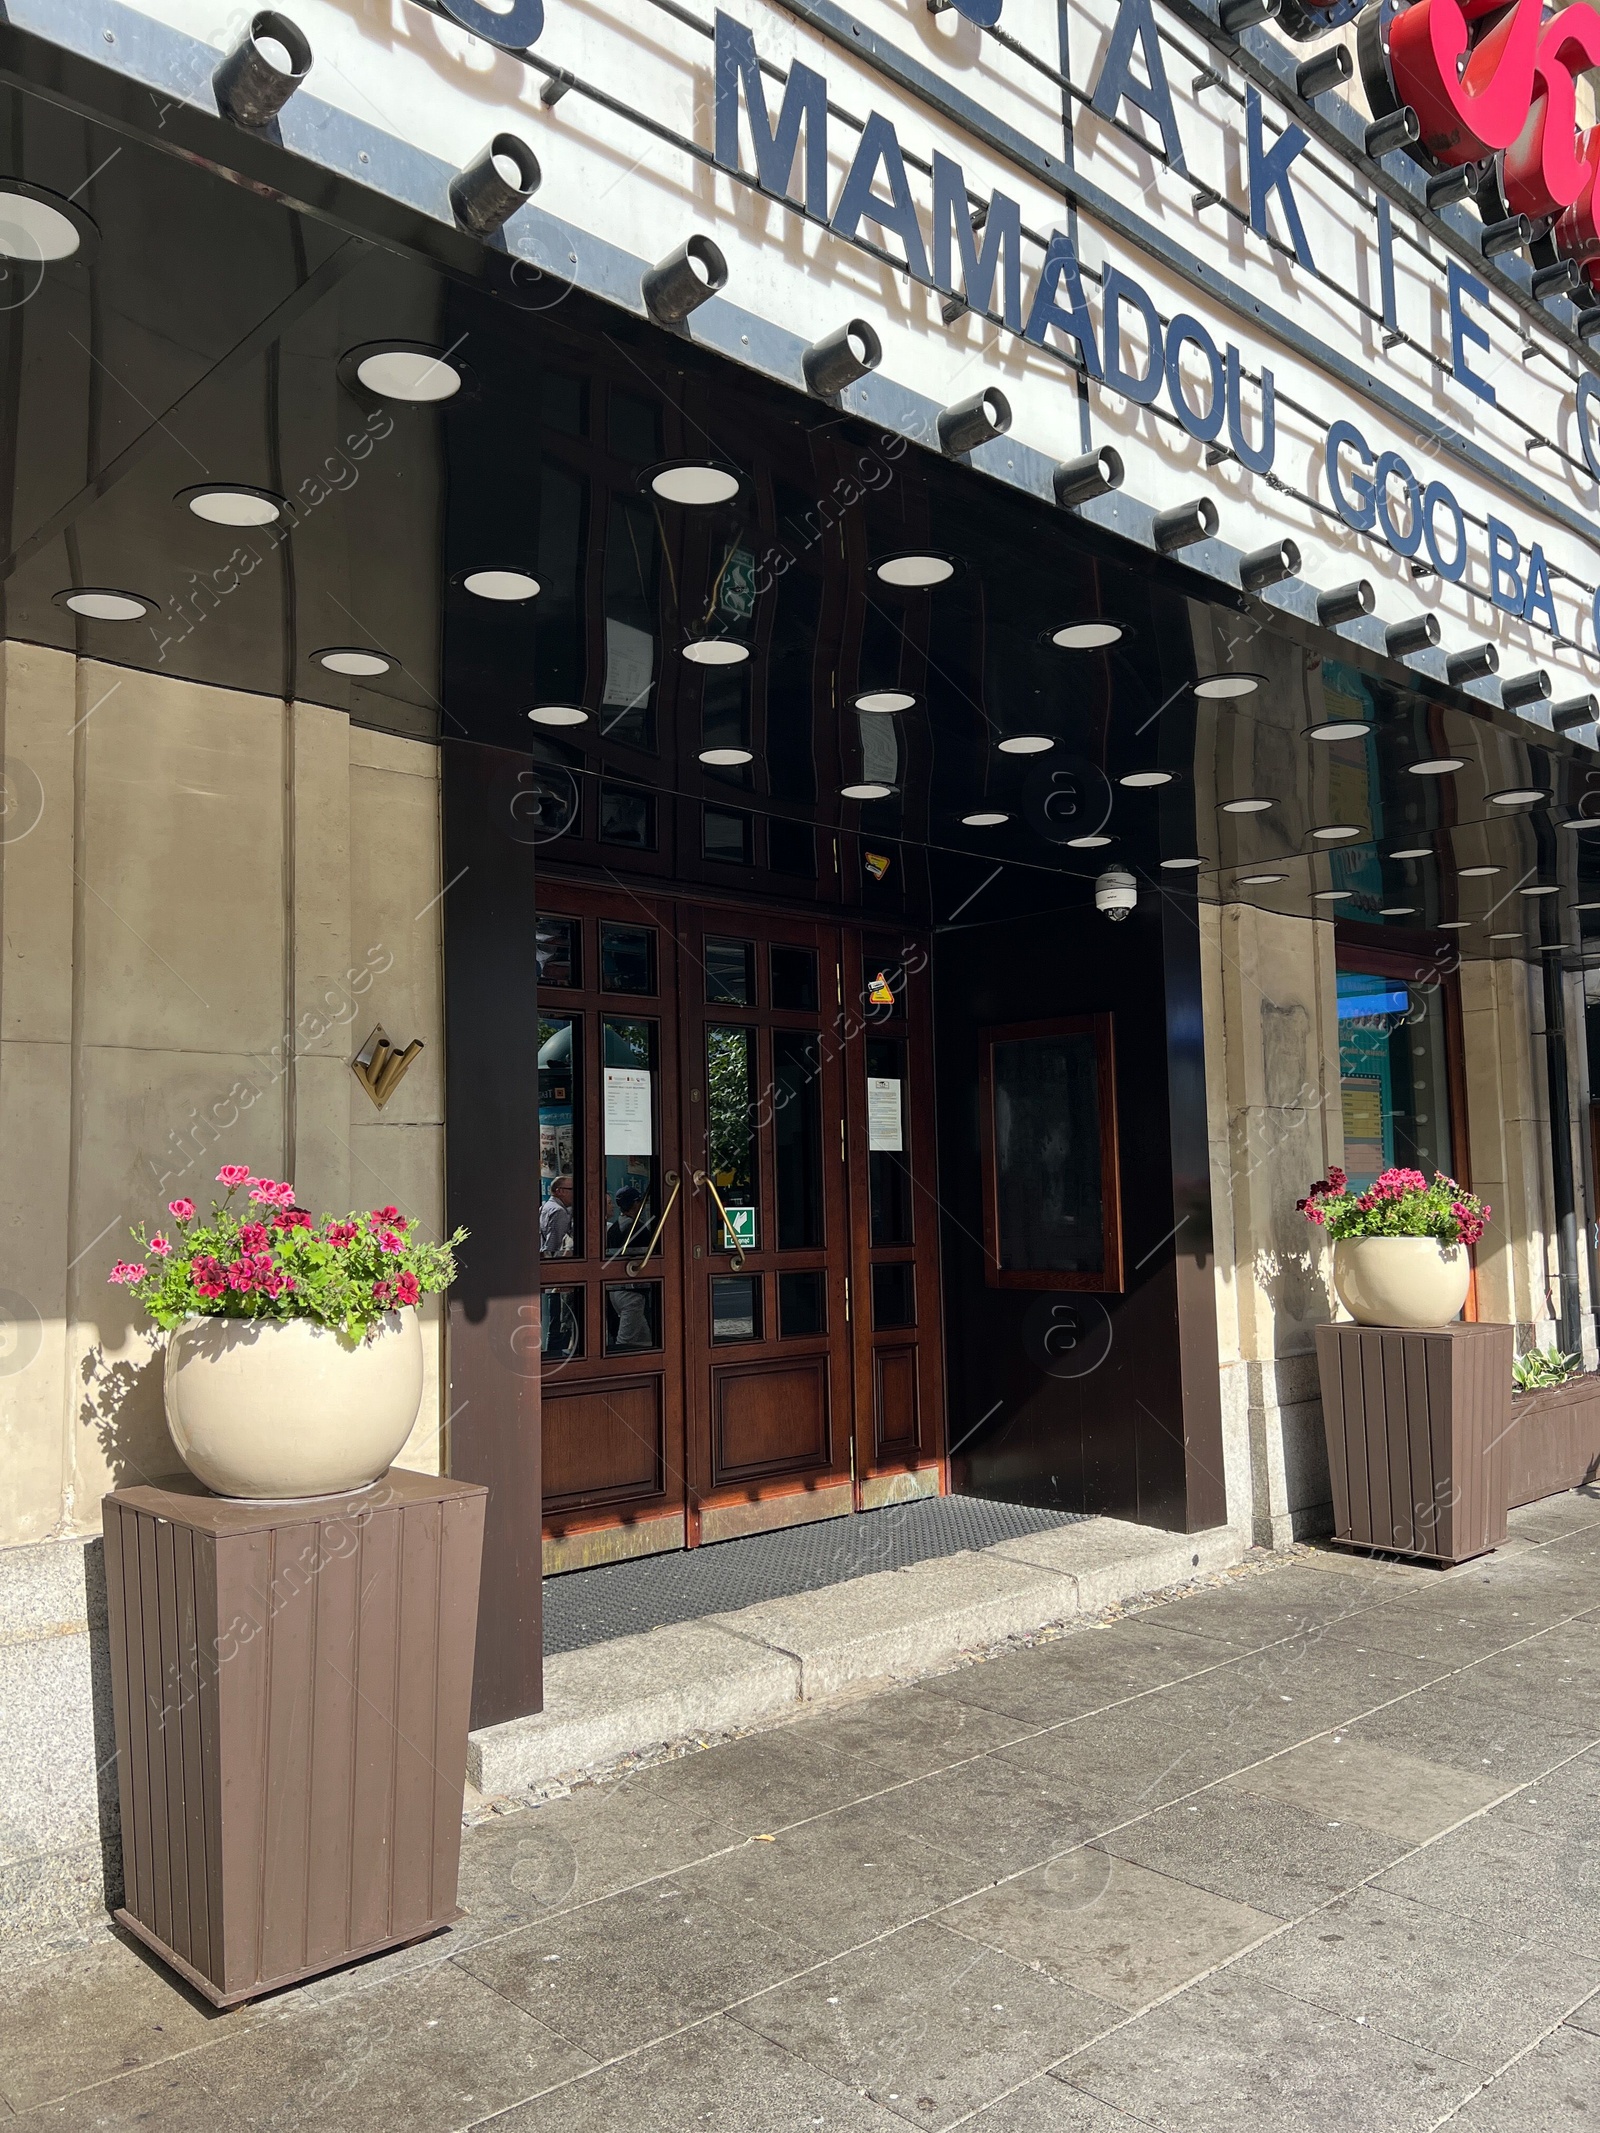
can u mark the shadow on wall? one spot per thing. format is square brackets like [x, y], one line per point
[123, 1405]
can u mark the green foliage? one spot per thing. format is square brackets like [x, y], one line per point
[1544, 1366]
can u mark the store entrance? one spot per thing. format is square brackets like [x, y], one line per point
[738, 1237]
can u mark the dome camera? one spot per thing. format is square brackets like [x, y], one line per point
[1115, 893]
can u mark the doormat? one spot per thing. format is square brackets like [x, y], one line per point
[584, 1607]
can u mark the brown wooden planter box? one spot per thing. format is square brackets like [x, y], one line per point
[291, 1685]
[1416, 1425]
[1554, 1440]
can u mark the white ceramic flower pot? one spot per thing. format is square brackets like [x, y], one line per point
[1400, 1281]
[272, 1410]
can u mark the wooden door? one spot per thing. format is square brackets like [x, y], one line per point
[767, 1223]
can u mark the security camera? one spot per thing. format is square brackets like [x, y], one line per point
[1115, 893]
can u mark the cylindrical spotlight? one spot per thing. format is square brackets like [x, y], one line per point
[1476, 663]
[969, 423]
[1345, 603]
[1237, 15]
[1588, 323]
[1565, 278]
[1396, 129]
[1524, 689]
[1451, 185]
[1576, 711]
[683, 281]
[262, 72]
[1403, 640]
[1184, 524]
[1095, 474]
[1325, 71]
[840, 357]
[504, 177]
[1269, 566]
[1508, 236]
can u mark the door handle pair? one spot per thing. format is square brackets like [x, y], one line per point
[637, 1266]
[737, 1249]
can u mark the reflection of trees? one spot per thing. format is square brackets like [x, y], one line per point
[728, 1107]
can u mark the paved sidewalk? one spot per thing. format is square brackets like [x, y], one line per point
[1313, 1846]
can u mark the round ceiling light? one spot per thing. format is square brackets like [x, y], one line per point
[1476, 873]
[1026, 744]
[1397, 910]
[1258, 881]
[1174, 865]
[694, 481]
[1088, 636]
[352, 659]
[1541, 888]
[985, 818]
[1221, 686]
[1517, 796]
[40, 228]
[1329, 896]
[1414, 851]
[558, 715]
[885, 700]
[716, 652]
[1582, 822]
[915, 571]
[1454, 925]
[720, 757]
[234, 504]
[1090, 843]
[866, 791]
[420, 375]
[99, 603]
[1338, 829]
[1505, 936]
[1339, 729]
[500, 584]
[1138, 778]
[1439, 766]
[1245, 807]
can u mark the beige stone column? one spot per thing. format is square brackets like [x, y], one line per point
[1508, 1139]
[322, 1006]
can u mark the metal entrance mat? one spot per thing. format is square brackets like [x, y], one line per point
[622, 1599]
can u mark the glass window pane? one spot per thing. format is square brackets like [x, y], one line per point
[792, 847]
[726, 836]
[560, 1324]
[560, 1204]
[797, 1136]
[888, 1167]
[725, 717]
[629, 1124]
[894, 1296]
[627, 817]
[633, 1316]
[633, 428]
[1394, 1083]
[731, 972]
[736, 1307]
[557, 942]
[802, 1304]
[730, 1123]
[794, 980]
[626, 707]
[628, 959]
[559, 663]
[1047, 1154]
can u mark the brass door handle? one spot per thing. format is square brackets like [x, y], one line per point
[638, 1266]
[736, 1261]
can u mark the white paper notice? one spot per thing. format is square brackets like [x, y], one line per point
[630, 662]
[883, 1115]
[628, 1111]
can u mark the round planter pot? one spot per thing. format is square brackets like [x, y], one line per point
[272, 1410]
[1400, 1281]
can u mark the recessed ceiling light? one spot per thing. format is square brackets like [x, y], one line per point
[1397, 910]
[558, 715]
[1338, 729]
[1137, 778]
[1338, 829]
[500, 584]
[1540, 888]
[1505, 936]
[1517, 795]
[1089, 843]
[1258, 881]
[1414, 851]
[420, 375]
[1026, 744]
[1587, 907]
[1328, 896]
[1551, 948]
[915, 570]
[353, 659]
[98, 603]
[1476, 873]
[1582, 822]
[885, 700]
[1454, 925]
[1226, 685]
[720, 756]
[1438, 766]
[1245, 807]
[694, 481]
[986, 818]
[39, 228]
[866, 791]
[234, 505]
[1088, 636]
[716, 652]
[1175, 864]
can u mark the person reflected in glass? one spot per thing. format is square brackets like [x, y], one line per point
[630, 1217]
[555, 1220]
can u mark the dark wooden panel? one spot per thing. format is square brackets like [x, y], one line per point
[460, 1553]
[285, 1837]
[377, 1655]
[333, 1735]
[894, 1372]
[154, 1758]
[770, 1417]
[1552, 1443]
[411, 1902]
[603, 1441]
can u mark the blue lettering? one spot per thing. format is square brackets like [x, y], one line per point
[1118, 83]
[1433, 496]
[1183, 331]
[1392, 467]
[1269, 173]
[1116, 290]
[1463, 329]
[897, 214]
[805, 97]
[1060, 269]
[1505, 580]
[1362, 512]
[1002, 243]
[1539, 604]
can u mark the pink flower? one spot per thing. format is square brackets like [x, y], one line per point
[181, 1210]
[389, 1241]
[341, 1234]
[160, 1246]
[267, 1193]
[126, 1273]
[388, 1214]
[239, 1277]
[383, 1292]
[253, 1236]
[233, 1175]
[407, 1289]
[1337, 1178]
[207, 1275]
[292, 1218]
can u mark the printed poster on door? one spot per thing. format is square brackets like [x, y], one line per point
[627, 1120]
[883, 1115]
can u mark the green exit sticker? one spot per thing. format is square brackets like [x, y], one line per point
[739, 1228]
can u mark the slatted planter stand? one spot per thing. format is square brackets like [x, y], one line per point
[1416, 1424]
[291, 1685]
[1554, 1442]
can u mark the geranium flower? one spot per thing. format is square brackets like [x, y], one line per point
[253, 1236]
[233, 1175]
[1337, 1178]
[383, 1292]
[181, 1210]
[160, 1246]
[390, 1241]
[125, 1273]
[292, 1218]
[407, 1289]
[266, 1192]
[341, 1234]
[386, 1214]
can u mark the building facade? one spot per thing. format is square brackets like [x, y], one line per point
[934, 652]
